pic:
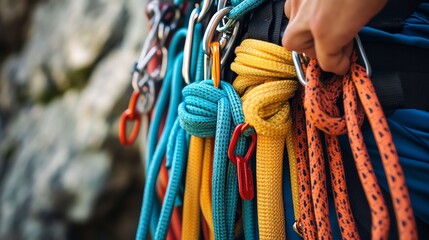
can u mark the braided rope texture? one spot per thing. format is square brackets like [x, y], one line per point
[207, 111]
[264, 81]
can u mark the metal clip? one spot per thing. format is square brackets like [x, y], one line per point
[187, 52]
[300, 60]
[297, 227]
[227, 39]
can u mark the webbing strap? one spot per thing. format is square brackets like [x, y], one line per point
[261, 68]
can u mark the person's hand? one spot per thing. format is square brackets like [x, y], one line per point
[324, 29]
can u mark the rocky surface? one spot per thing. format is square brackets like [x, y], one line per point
[63, 173]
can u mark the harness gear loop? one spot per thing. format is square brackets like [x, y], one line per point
[244, 172]
[264, 81]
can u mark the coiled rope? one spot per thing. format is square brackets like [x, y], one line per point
[207, 111]
[321, 115]
[265, 72]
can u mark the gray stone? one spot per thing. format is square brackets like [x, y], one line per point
[60, 157]
[55, 170]
[65, 38]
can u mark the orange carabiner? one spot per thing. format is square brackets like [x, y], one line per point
[130, 114]
[215, 50]
[244, 172]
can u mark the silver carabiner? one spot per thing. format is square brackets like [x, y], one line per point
[228, 37]
[146, 90]
[187, 51]
[204, 9]
[300, 59]
[153, 7]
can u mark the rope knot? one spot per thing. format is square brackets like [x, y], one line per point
[321, 101]
[267, 108]
[199, 109]
[262, 69]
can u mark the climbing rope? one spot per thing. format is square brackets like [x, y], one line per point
[265, 72]
[321, 114]
[175, 79]
[206, 112]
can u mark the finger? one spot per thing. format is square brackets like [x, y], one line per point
[334, 60]
[297, 37]
[291, 8]
[288, 9]
[309, 52]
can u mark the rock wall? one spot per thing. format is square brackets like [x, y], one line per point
[64, 80]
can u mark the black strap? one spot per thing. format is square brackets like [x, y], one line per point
[392, 17]
[268, 22]
[400, 75]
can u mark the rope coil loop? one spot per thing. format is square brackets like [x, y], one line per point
[264, 81]
[322, 114]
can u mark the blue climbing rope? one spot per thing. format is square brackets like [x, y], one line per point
[207, 111]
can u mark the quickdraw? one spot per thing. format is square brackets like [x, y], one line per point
[207, 123]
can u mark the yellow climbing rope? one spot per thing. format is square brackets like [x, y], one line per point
[265, 82]
[206, 181]
[191, 209]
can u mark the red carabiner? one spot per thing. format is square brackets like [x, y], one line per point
[244, 172]
[130, 114]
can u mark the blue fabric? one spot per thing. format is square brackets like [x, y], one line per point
[409, 127]
[410, 130]
[414, 33]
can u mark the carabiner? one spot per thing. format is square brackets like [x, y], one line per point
[154, 8]
[299, 60]
[204, 9]
[297, 227]
[244, 172]
[130, 114]
[226, 41]
[187, 52]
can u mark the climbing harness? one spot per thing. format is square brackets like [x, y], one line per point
[224, 129]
